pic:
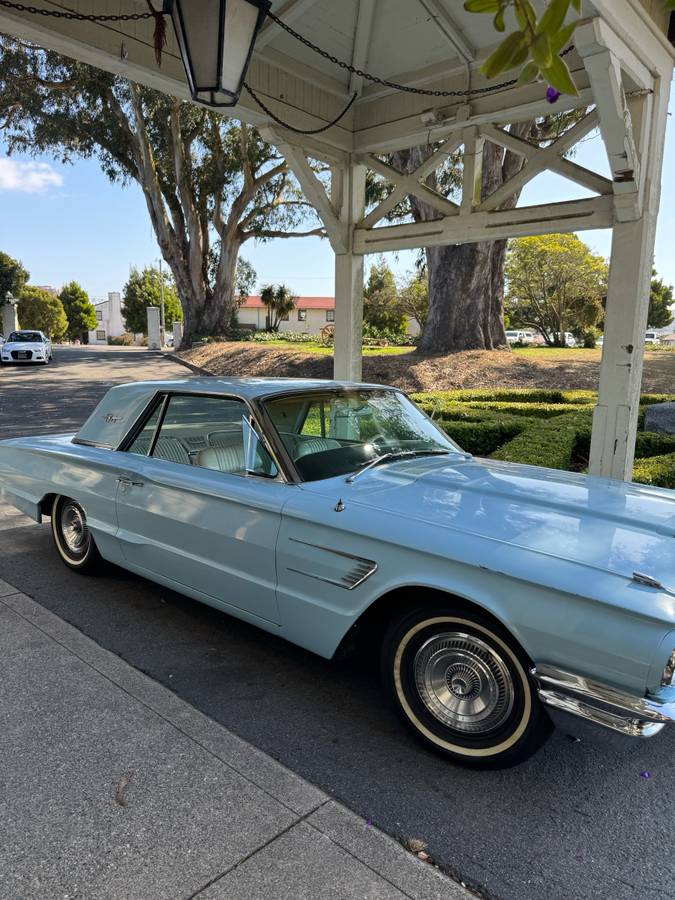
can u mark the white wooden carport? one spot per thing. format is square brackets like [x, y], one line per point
[622, 64]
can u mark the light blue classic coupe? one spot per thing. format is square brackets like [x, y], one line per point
[495, 594]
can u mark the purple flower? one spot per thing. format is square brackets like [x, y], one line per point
[552, 95]
[645, 774]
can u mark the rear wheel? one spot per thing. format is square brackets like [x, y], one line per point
[73, 539]
[461, 683]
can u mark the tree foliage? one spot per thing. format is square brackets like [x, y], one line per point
[210, 183]
[280, 302]
[79, 311]
[381, 308]
[413, 298]
[660, 304]
[555, 284]
[43, 311]
[537, 42]
[13, 276]
[143, 290]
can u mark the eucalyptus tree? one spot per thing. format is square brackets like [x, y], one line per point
[466, 281]
[210, 183]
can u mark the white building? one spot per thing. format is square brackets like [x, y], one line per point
[310, 315]
[109, 321]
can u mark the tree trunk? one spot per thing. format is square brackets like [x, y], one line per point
[466, 293]
[466, 281]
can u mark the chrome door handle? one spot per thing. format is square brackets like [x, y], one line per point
[126, 480]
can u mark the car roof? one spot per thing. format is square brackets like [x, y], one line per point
[122, 405]
[249, 388]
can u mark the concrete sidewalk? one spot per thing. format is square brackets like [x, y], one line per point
[113, 787]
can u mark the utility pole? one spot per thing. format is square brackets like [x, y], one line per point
[161, 304]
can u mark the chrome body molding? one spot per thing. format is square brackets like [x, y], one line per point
[356, 575]
[604, 705]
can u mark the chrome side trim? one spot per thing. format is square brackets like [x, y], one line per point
[603, 704]
[363, 569]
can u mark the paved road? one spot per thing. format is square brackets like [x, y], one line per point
[577, 821]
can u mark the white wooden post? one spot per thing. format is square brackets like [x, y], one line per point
[349, 189]
[615, 417]
[10, 319]
[154, 333]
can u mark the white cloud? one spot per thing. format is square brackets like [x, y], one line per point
[28, 177]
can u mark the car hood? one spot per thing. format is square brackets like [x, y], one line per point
[616, 526]
[23, 345]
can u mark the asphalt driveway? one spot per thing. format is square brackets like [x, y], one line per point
[577, 821]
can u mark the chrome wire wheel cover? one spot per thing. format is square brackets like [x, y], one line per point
[463, 683]
[74, 530]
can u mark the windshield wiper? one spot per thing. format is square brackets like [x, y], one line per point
[393, 454]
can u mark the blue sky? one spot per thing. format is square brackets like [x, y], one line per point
[69, 222]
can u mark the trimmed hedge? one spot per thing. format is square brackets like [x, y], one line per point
[657, 470]
[546, 428]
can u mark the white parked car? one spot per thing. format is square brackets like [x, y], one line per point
[652, 337]
[27, 346]
[520, 337]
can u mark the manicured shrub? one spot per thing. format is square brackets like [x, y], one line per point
[546, 428]
[657, 470]
[550, 446]
[651, 443]
[481, 438]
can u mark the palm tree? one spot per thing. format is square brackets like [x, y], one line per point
[280, 301]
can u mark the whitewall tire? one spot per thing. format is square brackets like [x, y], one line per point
[461, 683]
[72, 537]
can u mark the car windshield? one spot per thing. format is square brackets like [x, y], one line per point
[338, 432]
[25, 337]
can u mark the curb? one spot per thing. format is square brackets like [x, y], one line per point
[196, 370]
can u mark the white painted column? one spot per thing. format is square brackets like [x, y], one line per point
[615, 417]
[348, 195]
[177, 334]
[10, 319]
[154, 336]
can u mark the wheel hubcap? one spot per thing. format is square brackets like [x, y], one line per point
[463, 683]
[74, 530]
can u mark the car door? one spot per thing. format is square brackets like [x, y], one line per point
[188, 510]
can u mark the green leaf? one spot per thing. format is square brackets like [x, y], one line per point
[500, 59]
[529, 74]
[482, 6]
[554, 17]
[577, 5]
[562, 38]
[528, 13]
[541, 51]
[519, 58]
[499, 20]
[559, 77]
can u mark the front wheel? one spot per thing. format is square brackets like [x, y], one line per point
[73, 539]
[460, 682]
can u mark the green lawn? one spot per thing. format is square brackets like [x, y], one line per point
[558, 352]
[323, 350]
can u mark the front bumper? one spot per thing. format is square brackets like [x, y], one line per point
[604, 705]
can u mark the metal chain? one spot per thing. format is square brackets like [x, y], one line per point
[78, 17]
[393, 84]
[281, 122]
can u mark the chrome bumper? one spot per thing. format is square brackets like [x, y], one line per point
[604, 705]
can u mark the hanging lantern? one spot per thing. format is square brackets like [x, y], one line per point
[216, 39]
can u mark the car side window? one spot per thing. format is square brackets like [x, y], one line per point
[141, 443]
[211, 433]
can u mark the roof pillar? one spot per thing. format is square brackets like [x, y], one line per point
[349, 191]
[615, 417]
